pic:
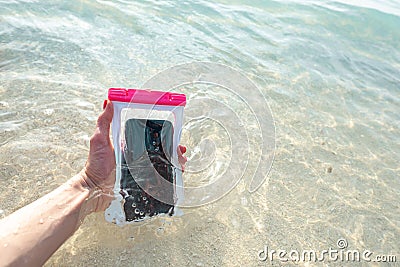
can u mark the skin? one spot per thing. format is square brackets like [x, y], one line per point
[29, 236]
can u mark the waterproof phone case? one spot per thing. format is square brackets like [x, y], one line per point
[146, 130]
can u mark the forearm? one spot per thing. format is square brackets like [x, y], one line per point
[32, 234]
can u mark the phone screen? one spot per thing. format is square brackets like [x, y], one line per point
[146, 156]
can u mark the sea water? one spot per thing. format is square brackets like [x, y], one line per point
[329, 71]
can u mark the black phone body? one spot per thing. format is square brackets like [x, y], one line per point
[145, 158]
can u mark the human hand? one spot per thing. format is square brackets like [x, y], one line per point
[99, 172]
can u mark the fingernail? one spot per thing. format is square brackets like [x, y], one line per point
[105, 103]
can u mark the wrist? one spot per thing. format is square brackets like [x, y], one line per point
[81, 183]
[99, 198]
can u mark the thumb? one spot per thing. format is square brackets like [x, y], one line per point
[105, 118]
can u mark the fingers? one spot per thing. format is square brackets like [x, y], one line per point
[181, 158]
[181, 150]
[105, 118]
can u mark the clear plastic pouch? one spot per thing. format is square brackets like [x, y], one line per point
[146, 130]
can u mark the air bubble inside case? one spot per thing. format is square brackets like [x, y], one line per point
[146, 131]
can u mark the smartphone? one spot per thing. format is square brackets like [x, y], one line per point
[145, 158]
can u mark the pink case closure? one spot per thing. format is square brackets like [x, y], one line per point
[146, 97]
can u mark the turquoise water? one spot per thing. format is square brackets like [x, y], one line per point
[330, 71]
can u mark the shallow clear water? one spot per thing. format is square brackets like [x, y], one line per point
[329, 70]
